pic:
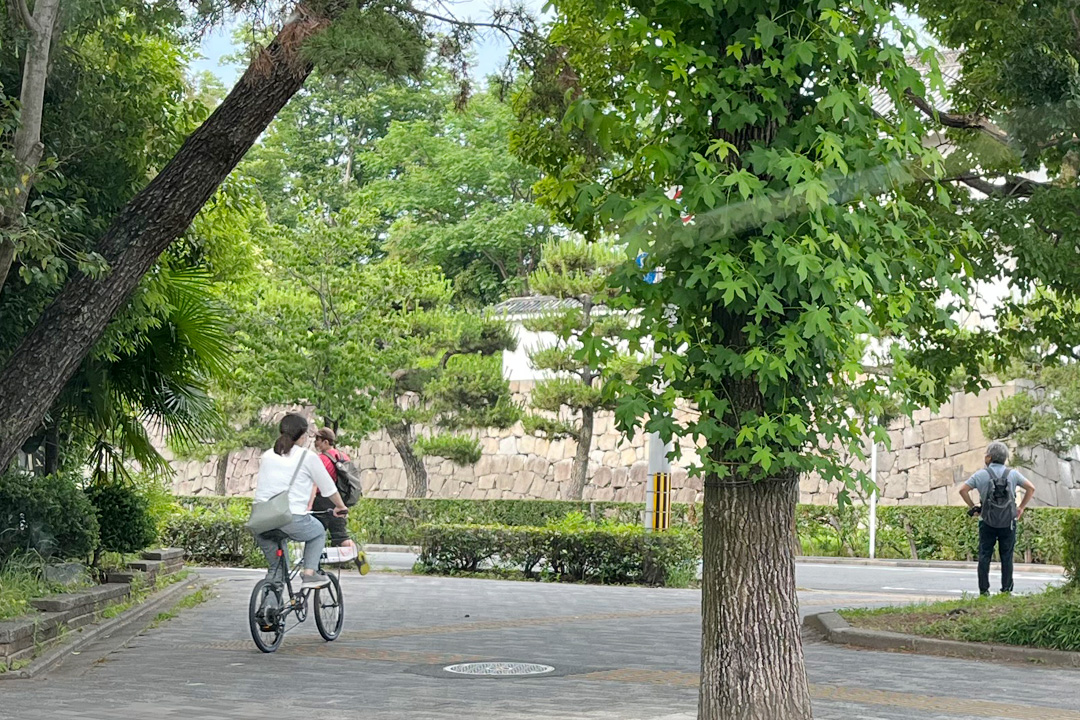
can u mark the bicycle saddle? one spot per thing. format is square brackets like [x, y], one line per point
[275, 535]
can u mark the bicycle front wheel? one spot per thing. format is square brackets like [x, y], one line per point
[329, 609]
[265, 616]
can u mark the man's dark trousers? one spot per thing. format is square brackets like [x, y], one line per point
[1005, 539]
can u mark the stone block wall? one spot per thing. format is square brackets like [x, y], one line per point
[929, 455]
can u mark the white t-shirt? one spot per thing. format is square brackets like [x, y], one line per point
[275, 472]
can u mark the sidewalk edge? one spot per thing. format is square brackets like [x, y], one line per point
[836, 630]
[951, 564]
[144, 613]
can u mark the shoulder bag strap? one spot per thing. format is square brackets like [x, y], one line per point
[299, 464]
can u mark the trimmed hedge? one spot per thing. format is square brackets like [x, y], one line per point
[610, 555]
[917, 532]
[926, 533]
[214, 536]
[399, 521]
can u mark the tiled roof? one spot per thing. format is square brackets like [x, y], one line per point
[533, 305]
[540, 304]
[948, 63]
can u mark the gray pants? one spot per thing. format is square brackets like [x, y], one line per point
[307, 530]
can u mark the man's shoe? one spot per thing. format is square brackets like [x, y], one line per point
[984, 593]
[362, 563]
[315, 581]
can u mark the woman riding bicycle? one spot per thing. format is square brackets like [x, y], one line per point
[277, 470]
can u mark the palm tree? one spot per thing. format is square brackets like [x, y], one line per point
[161, 379]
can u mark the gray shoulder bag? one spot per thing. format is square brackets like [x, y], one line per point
[274, 513]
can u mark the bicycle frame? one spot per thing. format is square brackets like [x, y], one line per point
[297, 602]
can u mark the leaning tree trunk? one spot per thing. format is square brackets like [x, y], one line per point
[28, 147]
[579, 472]
[751, 648]
[50, 354]
[401, 434]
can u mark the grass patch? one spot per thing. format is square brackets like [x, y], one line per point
[21, 580]
[201, 595]
[1050, 619]
[15, 666]
[193, 599]
[140, 590]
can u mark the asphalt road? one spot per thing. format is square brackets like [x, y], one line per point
[618, 653]
[873, 579]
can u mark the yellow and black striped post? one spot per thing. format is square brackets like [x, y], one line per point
[660, 495]
[658, 490]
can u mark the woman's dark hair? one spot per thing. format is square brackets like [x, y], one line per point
[292, 428]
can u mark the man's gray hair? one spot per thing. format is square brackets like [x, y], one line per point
[998, 453]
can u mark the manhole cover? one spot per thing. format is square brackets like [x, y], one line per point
[501, 669]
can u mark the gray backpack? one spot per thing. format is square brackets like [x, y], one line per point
[348, 480]
[999, 508]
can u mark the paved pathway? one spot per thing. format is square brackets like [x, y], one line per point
[621, 654]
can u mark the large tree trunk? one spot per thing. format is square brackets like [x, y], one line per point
[751, 648]
[28, 147]
[156, 216]
[579, 472]
[401, 434]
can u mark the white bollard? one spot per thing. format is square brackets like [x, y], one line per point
[873, 499]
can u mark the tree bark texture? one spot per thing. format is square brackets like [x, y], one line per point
[161, 212]
[222, 474]
[751, 648]
[579, 471]
[28, 148]
[401, 434]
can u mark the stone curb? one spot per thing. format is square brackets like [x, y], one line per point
[414, 549]
[820, 560]
[835, 629]
[141, 613]
[950, 564]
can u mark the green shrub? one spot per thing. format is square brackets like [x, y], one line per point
[1070, 540]
[935, 533]
[123, 516]
[161, 502]
[213, 537]
[607, 553]
[47, 515]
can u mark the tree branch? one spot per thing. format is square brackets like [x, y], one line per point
[1076, 26]
[1013, 186]
[959, 120]
[27, 18]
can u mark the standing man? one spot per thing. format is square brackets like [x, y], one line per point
[997, 512]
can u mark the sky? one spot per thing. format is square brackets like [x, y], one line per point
[489, 54]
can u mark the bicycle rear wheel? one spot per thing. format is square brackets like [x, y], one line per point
[265, 616]
[329, 609]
